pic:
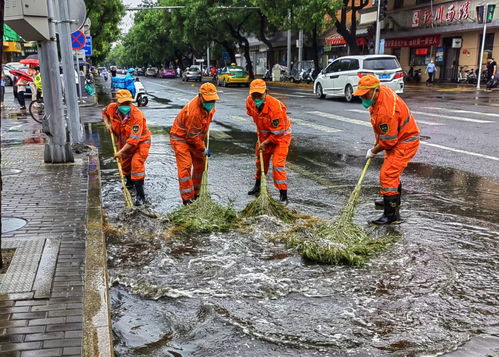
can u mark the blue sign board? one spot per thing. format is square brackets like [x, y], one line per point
[88, 46]
[77, 40]
[226, 56]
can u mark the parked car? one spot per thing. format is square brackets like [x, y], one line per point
[168, 73]
[151, 72]
[233, 75]
[192, 73]
[122, 70]
[141, 71]
[340, 77]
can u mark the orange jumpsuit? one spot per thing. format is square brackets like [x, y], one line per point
[272, 123]
[187, 138]
[397, 133]
[131, 129]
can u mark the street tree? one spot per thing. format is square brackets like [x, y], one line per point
[105, 16]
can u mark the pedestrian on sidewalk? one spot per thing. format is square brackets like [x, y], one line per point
[430, 69]
[396, 133]
[129, 126]
[187, 139]
[2, 89]
[273, 129]
[491, 73]
[21, 89]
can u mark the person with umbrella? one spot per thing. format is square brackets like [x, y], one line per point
[21, 89]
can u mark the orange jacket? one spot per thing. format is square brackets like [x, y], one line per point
[272, 122]
[191, 124]
[129, 130]
[392, 120]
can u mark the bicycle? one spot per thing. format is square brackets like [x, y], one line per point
[37, 110]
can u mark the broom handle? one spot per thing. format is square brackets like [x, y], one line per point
[361, 178]
[356, 191]
[207, 147]
[263, 178]
[126, 193]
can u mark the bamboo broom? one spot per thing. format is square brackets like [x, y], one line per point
[126, 193]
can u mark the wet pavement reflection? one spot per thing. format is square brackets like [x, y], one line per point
[239, 294]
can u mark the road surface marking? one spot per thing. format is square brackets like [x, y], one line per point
[340, 118]
[288, 95]
[464, 111]
[240, 118]
[460, 151]
[327, 129]
[359, 122]
[453, 117]
[418, 121]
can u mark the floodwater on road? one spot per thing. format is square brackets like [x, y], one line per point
[238, 294]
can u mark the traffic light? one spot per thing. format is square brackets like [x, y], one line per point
[479, 14]
[382, 9]
[490, 12]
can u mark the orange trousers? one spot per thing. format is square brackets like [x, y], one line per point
[395, 162]
[190, 167]
[133, 162]
[279, 153]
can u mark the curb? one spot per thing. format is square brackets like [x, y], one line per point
[97, 327]
[289, 84]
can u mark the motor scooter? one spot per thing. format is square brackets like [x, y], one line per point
[139, 93]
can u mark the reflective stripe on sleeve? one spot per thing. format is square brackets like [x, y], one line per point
[386, 137]
[390, 189]
[177, 138]
[280, 181]
[415, 137]
[138, 174]
[193, 134]
[135, 137]
[279, 169]
[405, 122]
[183, 179]
[187, 190]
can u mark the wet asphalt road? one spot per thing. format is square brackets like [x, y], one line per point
[237, 294]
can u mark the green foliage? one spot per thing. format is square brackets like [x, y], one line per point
[105, 16]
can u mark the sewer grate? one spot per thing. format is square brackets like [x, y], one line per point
[10, 224]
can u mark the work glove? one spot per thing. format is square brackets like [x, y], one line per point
[370, 154]
[207, 152]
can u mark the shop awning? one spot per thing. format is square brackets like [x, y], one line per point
[9, 34]
[339, 40]
[11, 46]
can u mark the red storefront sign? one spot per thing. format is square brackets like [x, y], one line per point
[339, 40]
[442, 14]
[420, 41]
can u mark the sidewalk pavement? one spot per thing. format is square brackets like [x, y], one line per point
[53, 296]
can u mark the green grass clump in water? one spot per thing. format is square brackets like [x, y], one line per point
[204, 215]
[337, 242]
[266, 205]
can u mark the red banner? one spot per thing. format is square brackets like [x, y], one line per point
[339, 40]
[421, 41]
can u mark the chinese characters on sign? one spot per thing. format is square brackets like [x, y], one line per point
[442, 14]
[422, 41]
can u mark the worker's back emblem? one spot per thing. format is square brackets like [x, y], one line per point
[383, 128]
[275, 123]
[135, 129]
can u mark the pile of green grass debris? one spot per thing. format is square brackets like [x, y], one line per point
[266, 205]
[204, 215]
[337, 242]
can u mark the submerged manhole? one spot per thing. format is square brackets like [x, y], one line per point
[10, 224]
[6, 172]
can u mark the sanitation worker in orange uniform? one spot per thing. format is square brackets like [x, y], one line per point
[187, 138]
[128, 124]
[274, 136]
[396, 133]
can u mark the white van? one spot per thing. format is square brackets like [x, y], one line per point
[340, 77]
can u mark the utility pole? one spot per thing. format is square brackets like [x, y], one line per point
[378, 28]
[58, 149]
[289, 45]
[68, 70]
[481, 55]
[300, 46]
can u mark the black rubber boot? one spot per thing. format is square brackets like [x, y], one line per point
[187, 202]
[129, 183]
[391, 211]
[283, 196]
[379, 203]
[256, 189]
[140, 196]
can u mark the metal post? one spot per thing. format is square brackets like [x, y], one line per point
[58, 150]
[80, 93]
[378, 29]
[481, 53]
[208, 59]
[300, 47]
[75, 127]
[289, 45]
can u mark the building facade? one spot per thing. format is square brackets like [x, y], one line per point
[417, 31]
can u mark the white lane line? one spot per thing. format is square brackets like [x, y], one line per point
[464, 111]
[418, 120]
[326, 129]
[287, 95]
[240, 118]
[340, 118]
[452, 117]
[461, 151]
[359, 122]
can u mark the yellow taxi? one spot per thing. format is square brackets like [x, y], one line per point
[233, 75]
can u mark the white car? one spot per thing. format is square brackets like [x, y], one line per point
[340, 77]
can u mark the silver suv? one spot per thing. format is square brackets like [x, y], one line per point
[340, 77]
